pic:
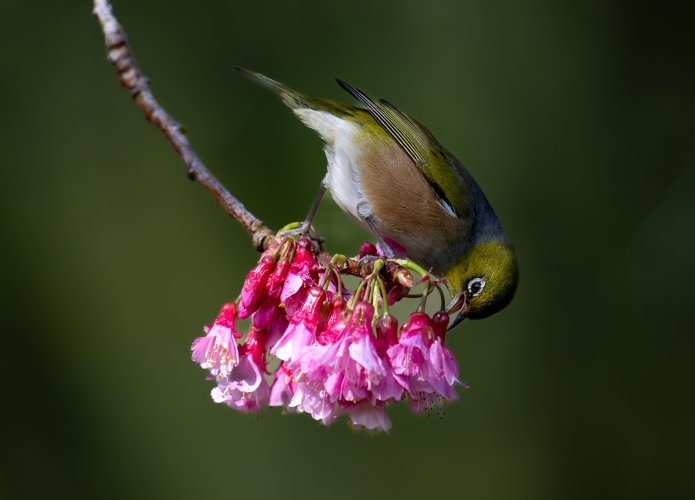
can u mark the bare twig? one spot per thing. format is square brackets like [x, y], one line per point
[132, 78]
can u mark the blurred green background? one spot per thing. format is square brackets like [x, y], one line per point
[577, 120]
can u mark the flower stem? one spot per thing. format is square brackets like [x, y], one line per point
[340, 282]
[289, 227]
[423, 301]
[327, 277]
[441, 296]
[287, 246]
[384, 296]
[356, 296]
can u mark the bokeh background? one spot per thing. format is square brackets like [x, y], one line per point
[576, 118]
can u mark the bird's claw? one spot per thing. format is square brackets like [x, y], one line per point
[304, 230]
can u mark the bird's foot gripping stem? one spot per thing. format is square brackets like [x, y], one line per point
[302, 230]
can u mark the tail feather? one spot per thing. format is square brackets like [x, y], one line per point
[294, 100]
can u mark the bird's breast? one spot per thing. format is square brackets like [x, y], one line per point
[373, 179]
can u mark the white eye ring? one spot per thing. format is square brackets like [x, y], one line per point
[475, 287]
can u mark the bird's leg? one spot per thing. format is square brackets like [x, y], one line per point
[305, 227]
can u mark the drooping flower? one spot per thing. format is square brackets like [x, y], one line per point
[446, 370]
[301, 331]
[336, 356]
[364, 369]
[410, 356]
[218, 351]
[388, 389]
[410, 359]
[245, 387]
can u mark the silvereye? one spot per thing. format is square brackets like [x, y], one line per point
[390, 173]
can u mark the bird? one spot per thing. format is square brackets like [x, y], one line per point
[389, 173]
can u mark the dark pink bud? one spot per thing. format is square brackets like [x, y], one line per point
[227, 318]
[266, 312]
[303, 258]
[254, 287]
[386, 332]
[311, 309]
[367, 248]
[276, 280]
[254, 346]
[419, 322]
[394, 294]
[336, 313]
[338, 318]
[419, 319]
[439, 323]
[362, 313]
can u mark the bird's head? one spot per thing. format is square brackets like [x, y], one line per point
[483, 281]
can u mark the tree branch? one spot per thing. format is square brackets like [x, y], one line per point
[132, 78]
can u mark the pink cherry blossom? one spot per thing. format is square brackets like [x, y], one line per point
[301, 331]
[245, 387]
[218, 351]
[410, 356]
[334, 358]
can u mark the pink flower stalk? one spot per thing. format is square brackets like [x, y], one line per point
[301, 331]
[254, 287]
[218, 351]
[245, 388]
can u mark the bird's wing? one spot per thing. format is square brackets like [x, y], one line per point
[418, 143]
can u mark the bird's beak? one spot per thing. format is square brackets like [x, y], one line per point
[459, 302]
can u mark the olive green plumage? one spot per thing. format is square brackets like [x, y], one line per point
[391, 175]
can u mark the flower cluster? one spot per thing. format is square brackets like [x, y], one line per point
[315, 347]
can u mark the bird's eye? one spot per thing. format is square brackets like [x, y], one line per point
[475, 286]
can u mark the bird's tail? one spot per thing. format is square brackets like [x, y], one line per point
[294, 100]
